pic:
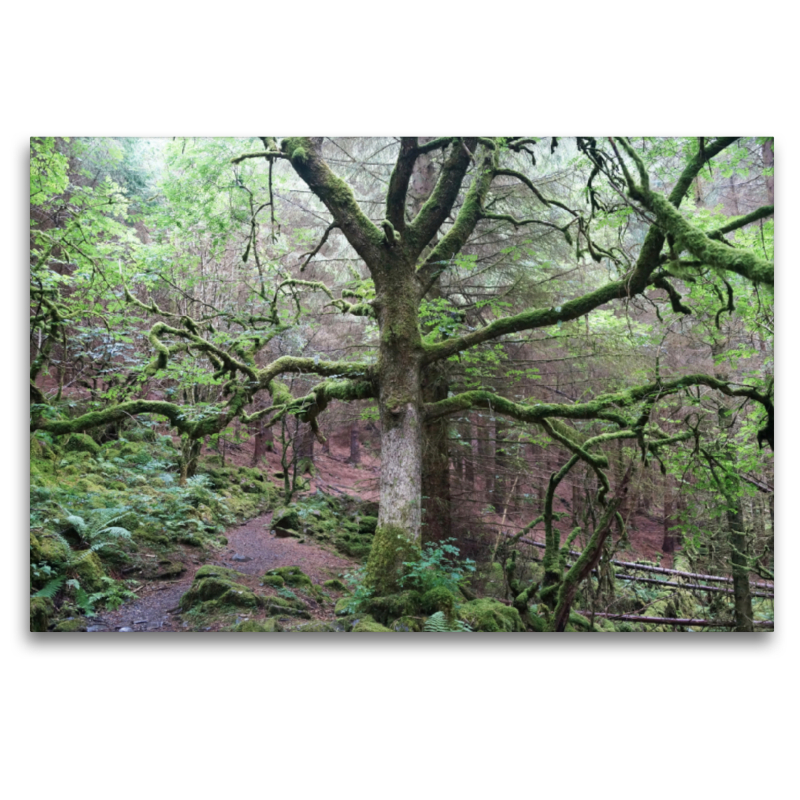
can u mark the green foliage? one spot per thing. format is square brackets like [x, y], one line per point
[360, 593]
[439, 566]
[439, 623]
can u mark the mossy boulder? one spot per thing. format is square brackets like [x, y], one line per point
[335, 585]
[438, 599]
[318, 626]
[41, 611]
[342, 607]
[256, 626]
[488, 615]
[89, 570]
[164, 570]
[71, 625]
[218, 586]
[275, 581]
[283, 607]
[292, 576]
[50, 550]
[368, 625]
[286, 522]
[82, 443]
[390, 607]
[407, 625]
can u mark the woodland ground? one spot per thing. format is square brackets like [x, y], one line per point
[253, 549]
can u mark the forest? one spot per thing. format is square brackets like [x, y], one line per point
[402, 384]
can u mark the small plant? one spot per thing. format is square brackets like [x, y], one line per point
[438, 566]
[438, 623]
[360, 592]
[99, 532]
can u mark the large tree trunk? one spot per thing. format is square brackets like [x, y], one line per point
[400, 517]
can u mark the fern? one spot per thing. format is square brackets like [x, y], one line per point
[438, 623]
[51, 587]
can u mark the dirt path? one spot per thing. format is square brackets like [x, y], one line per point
[251, 549]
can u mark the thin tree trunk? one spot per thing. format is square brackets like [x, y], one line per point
[355, 447]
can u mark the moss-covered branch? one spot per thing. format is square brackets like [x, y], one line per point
[438, 206]
[365, 237]
[590, 556]
[688, 236]
[314, 366]
[467, 218]
[398, 183]
[739, 222]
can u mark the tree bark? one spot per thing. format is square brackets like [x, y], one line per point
[436, 497]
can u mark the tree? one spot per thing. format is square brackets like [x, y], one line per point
[414, 246]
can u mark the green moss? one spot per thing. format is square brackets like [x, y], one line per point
[254, 626]
[390, 549]
[71, 625]
[90, 572]
[319, 626]
[407, 625]
[335, 585]
[368, 625]
[389, 607]
[216, 588]
[286, 520]
[367, 524]
[41, 611]
[282, 607]
[439, 599]
[273, 580]
[342, 607]
[486, 614]
[82, 442]
[213, 571]
[292, 576]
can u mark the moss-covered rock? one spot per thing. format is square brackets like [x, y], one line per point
[217, 586]
[368, 625]
[82, 443]
[335, 585]
[407, 625]
[256, 626]
[488, 615]
[292, 576]
[273, 580]
[283, 607]
[438, 599]
[165, 569]
[392, 606]
[286, 521]
[89, 570]
[41, 611]
[51, 550]
[318, 626]
[72, 625]
[342, 607]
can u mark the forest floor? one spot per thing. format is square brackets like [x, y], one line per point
[252, 550]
